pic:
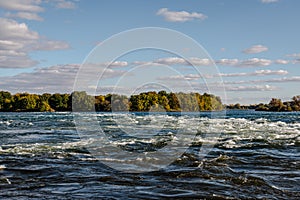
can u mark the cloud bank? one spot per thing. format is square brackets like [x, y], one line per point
[180, 16]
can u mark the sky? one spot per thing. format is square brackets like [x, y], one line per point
[251, 49]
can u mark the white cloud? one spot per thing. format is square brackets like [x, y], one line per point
[282, 62]
[273, 80]
[251, 88]
[228, 62]
[108, 65]
[188, 77]
[269, 1]
[180, 16]
[177, 61]
[255, 49]
[252, 62]
[51, 79]
[22, 5]
[12, 30]
[297, 55]
[284, 79]
[296, 61]
[28, 9]
[201, 61]
[180, 61]
[17, 41]
[117, 64]
[255, 62]
[171, 61]
[25, 15]
[257, 73]
[65, 4]
[49, 45]
[17, 61]
[58, 78]
[270, 72]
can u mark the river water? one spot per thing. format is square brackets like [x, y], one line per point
[233, 155]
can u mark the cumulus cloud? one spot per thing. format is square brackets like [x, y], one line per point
[269, 1]
[251, 88]
[65, 4]
[25, 15]
[190, 77]
[297, 55]
[117, 64]
[228, 62]
[176, 61]
[284, 79]
[282, 62]
[12, 30]
[181, 61]
[17, 41]
[49, 45]
[22, 5]
[296, 61]
[255, 62]
[270, 72]
[180, 16]
[257, 73]
[252, 62]
[180, 77]
[58, 78]
[28, 9]
[255, 49]
[273, 80]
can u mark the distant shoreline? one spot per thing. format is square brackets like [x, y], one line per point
[152, 101]
[80, 101]
[275, 105]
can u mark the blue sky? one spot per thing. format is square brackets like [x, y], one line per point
[255, 44]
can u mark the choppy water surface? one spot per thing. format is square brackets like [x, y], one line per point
[256, 155]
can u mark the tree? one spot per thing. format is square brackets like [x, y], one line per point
[119, 103]
[59, 102]
[82, 102]
[25, 102]
[44, 106]
[296, 103]
[173, 102]
[276, 105]
[296, 100]
[5, 101]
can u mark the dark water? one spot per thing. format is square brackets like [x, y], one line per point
[255, 155]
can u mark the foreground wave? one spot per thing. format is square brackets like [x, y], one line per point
[255, 155]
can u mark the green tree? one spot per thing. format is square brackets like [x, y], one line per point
[25, 102]
[296, 103]
[59, 102]
[173, 102]
[276, 105]
[119, 103]
[82, 102]
[5, 101]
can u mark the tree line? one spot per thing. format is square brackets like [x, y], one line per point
[275, 105]
[81, 101]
